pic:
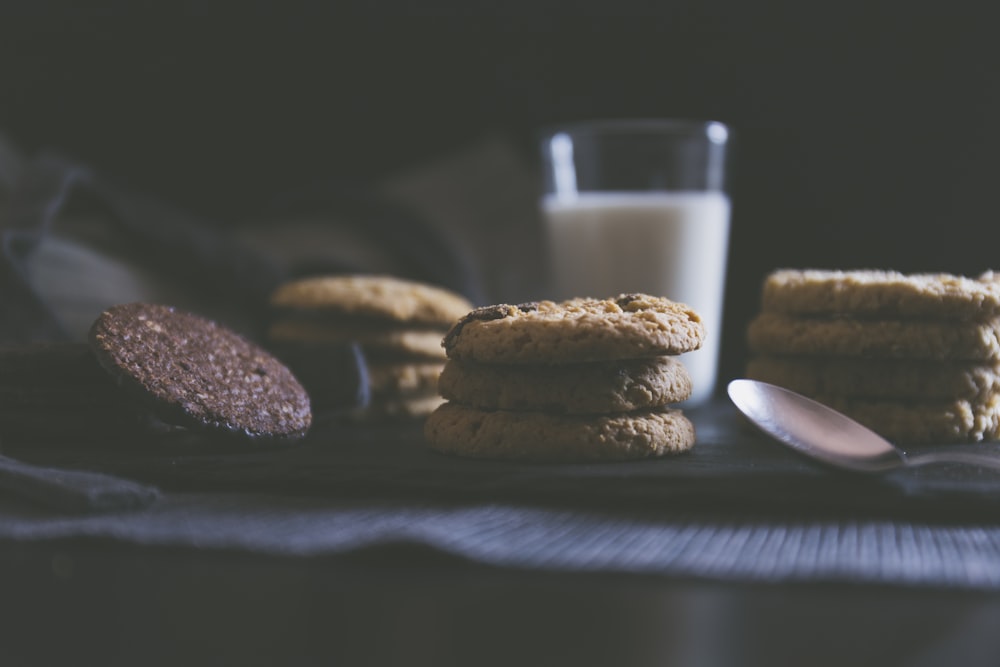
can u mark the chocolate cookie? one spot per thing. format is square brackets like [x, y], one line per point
[195, 373]
[629, 326]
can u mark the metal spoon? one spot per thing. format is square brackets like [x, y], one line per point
[831, 437]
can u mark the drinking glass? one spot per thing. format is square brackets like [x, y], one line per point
[642, 206]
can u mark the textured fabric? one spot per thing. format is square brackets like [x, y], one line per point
[156, 249]
[682, 544]
[72, 242]
[73, 491]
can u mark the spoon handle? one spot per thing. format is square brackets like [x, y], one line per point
[955, 456]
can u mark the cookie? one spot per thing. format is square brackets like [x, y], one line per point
[881, 294]
[377, 341]
[399, 391]
[924, 422]
[630, 326]
[397, 408]
[195, 373]
[778, 334]
[595, 387]
[394, 378]
[538, 436]
[873, 378]
[383, 298]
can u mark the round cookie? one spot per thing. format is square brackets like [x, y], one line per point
[629, 326]
[396, 408]
[587, 388]
[376, 297]
[393, 378]
[924, 422]
[873, 378]
[885, 294]
[192, 372]
[538, 436]
[777, 334]
[376, 341]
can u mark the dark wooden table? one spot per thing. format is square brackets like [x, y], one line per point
[803, 565]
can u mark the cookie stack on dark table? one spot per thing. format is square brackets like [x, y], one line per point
[397, 324]
[580, 380]
[915, 357]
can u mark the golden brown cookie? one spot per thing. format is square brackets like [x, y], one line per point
[924, 422]
[778, 334]
[384, 298]
[595, 387]
[881, 294]
[538, 436]
[629, 326]
[393, 378]
[886, 378]
[377, 341]
[397, 408]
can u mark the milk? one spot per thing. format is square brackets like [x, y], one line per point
[670, 244]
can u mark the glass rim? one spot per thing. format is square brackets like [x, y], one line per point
[636, 126]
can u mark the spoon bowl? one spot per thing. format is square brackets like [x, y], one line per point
[831, 437]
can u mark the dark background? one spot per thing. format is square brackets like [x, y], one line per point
[865, 135]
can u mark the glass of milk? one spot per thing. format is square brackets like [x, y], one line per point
[642, 206]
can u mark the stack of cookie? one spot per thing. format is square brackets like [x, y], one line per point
[914, 357]
[397, 324]
[150, 369]
[581, 380]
